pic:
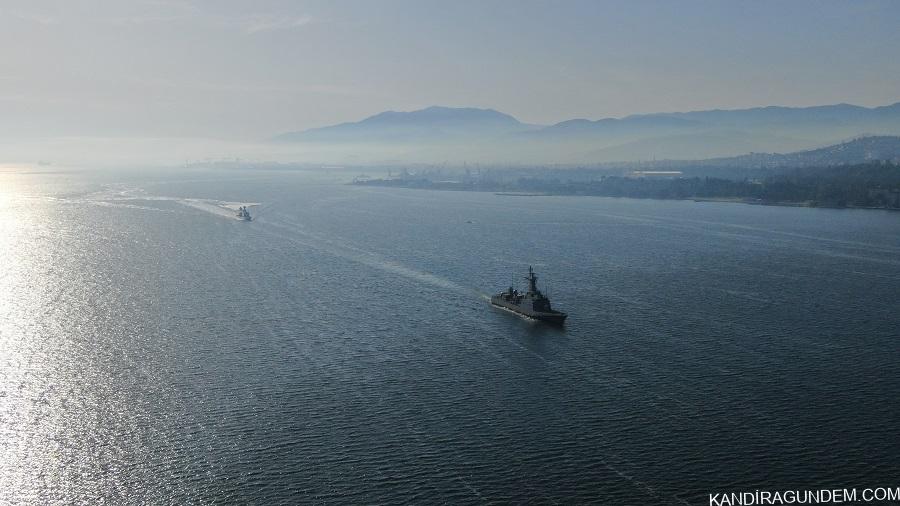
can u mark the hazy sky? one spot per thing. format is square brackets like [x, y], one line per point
[248, 70]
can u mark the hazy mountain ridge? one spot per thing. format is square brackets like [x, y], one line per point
[454, 134]
[433, 123]
[854, 151]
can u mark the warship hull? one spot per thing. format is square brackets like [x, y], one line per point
[553, 317]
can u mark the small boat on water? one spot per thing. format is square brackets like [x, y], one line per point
[243, 214]
[531, 304]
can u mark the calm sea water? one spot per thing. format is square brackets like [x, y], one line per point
[341, 349]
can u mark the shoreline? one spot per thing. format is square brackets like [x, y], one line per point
[726, 200]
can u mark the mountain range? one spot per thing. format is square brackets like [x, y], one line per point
[854, 151]
[445, 134]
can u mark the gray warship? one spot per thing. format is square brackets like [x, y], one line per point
[243, 214]
[532, 304]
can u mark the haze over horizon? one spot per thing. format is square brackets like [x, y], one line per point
[616, 252]
[80, 78]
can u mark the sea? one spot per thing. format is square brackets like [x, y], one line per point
[341, 348]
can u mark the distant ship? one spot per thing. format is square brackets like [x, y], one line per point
[532, 304]
[243, 214]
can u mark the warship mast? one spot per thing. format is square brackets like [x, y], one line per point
[532, 281]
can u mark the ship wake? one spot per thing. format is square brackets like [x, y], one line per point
[349, 252]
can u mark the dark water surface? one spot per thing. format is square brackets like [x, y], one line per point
[340, 348]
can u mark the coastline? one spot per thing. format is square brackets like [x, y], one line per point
[726, 200]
